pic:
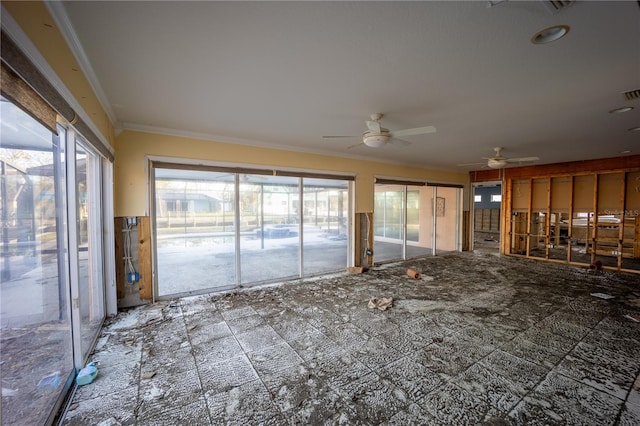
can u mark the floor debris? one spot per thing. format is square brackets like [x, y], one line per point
[602, 296]
[382, 304]
[491, 337]
[634, 318]
[413, 273]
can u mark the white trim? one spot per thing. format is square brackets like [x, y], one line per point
[65, 26]
[11, 27]
[72, 246]
[109, 262]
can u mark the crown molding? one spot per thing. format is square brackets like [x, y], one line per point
[59, 14]
[13, 30]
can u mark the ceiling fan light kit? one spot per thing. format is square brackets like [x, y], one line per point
[375, 140]
[496, 163]
[377, 136]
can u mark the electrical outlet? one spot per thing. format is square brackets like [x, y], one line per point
[133, 277]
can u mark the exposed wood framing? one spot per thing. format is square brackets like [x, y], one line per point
[600, 189]
[144, 258]
[119, 245]
[570, 225]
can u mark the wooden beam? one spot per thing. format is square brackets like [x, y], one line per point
[547, 223]
[119, 246]
[594, 234]
[144, 258]
[529, 211]
[570, 224]
[627, 163]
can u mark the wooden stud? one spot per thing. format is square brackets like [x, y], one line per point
[529, 212]
[594, 235]
[144, 258]
[623, 192]
[357, 238]
[119, 249]
[547, 223]
[369, 217]
[570, 225]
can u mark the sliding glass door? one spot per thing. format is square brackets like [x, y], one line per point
[195, 228]
[415, 220]
[49, 183]
[89, 239]
[216, 230]
[326, 225]
[269, 228]
[389, 222]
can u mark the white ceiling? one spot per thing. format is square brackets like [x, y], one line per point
[284, 74]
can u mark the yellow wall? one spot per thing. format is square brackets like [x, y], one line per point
[36, 22]
[130, 179]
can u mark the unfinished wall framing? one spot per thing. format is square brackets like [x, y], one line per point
[586, 217]
[583, 219]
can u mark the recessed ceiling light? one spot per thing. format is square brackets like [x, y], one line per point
[634, 129]
[550, 34]
[620, 110]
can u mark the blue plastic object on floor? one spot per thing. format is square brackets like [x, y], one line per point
[87, 374]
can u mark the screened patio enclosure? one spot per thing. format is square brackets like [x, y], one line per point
[218, 229]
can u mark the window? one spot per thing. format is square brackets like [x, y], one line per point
[495, 198]
[477, 198]
[246, 228]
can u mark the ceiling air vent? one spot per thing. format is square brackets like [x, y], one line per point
[555, 6]
[632, 94]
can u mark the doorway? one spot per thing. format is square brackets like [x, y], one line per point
[487, 204]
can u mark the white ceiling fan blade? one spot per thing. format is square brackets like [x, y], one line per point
[355, 146]
[399, 142]
[471, 164]
[374, 126]
[412, 132]
[339, 136]
[522, 160]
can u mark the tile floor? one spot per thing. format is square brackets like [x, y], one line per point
[480, 339]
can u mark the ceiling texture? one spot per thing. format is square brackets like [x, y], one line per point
[285, 74]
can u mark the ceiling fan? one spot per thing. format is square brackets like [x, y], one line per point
[377, 136]
[499, 161]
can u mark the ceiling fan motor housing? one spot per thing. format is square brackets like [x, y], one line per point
[376, 140]
[496, 163]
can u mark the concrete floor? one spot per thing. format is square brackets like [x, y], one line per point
[480, 339]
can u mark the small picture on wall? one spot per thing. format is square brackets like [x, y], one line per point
[439, 206]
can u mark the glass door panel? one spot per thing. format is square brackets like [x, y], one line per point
[36, 346]
[325, 232]
[195, 230]
[89, 232]
[270, 228]
[388, 219]
[419, 221]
